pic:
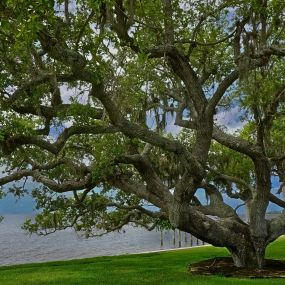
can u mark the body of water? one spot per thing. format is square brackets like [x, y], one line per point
[16, 246]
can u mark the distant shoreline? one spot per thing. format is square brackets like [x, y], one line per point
[170, 249]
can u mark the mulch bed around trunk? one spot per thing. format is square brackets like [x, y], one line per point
[223, 266]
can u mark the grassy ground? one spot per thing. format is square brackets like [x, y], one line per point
[153, 268]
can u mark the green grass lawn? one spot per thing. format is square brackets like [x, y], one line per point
[152, 268]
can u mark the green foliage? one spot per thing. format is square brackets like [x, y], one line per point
[223, 160]
[17, 191]
[110, 64]
[231, 163]
[163, 224]
[81, 113]
[2, 193]
[106, 149]
[89, 215]
[277, 137]
[17, 124]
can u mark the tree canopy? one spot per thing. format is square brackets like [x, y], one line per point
[94, 93]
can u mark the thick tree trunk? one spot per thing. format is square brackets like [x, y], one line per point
[245, 255]
[247, 247]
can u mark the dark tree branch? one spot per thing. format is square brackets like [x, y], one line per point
[277, 201]
[121, 181]
[66, 186]
[195, 43]
[84, 26]
[60, 52]
[236, 143]
[146, 170]
[168, 21]
[222, 88]
[217, 207]
[57, 187]
[271, 109]
[15, 176]
[11, 143]
[66, 11]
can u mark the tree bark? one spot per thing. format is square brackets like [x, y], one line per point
[247, 255]
[247, 250]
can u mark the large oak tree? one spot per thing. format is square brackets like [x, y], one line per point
[90, 94]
